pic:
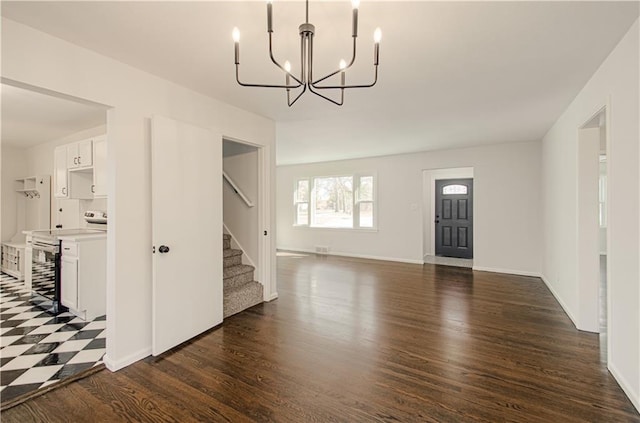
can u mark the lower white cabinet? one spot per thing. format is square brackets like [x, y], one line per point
[69, 282]
[83, 277]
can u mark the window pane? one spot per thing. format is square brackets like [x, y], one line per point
[366, 215]
[333, 202]
[365, 192]
[302, 214]
[302, 191]
[454, 189]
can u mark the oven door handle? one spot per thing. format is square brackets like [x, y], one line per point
[48, 248]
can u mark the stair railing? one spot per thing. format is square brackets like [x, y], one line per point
[236, 189]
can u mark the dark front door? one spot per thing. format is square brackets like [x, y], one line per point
[454, 218]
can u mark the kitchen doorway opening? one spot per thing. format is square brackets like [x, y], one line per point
[54, 203]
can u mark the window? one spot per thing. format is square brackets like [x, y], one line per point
[454, 189]
[301, 202]
[603, 200]
[335, 202]
[364, 202]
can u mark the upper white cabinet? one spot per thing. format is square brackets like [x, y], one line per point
[80, 169]
[80, 154]
[60, 176]
[100, 167]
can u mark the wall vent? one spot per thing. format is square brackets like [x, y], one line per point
[322, 249]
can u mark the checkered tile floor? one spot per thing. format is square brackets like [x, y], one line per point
[38, 348]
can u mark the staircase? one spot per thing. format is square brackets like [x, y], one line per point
[240, 290]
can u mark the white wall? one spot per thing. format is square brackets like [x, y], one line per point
[616, 83]
[506, 201]
[14, 165]
[135, 96]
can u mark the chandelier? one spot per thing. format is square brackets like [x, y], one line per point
[305, 78]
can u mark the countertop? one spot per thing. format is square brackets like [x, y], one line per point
[83, 237]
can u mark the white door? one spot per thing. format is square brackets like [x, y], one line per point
[69, 282]
[186, 192]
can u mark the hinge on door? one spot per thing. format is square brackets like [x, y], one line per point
[153, 250]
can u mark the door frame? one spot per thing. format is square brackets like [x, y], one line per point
[429, 177]
[265, 269]
[586, 319]
[440, 184]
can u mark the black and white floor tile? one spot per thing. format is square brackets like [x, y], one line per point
[38, 348]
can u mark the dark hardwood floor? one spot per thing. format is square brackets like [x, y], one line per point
[357, 341]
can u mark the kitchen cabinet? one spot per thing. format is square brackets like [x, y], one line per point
[80, 154]
[83, 275]
[74, 173]
[61, 189]
[69, 282]
[100, 167]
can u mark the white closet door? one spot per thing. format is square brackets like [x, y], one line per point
[187, 231]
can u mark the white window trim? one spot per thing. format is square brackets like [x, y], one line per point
[296, 202]
[355, 203]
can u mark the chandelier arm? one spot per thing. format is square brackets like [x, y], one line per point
[262, 85]
[353, 59]
[327, 98]
[291, 103]
[335, 87]
[278, 64]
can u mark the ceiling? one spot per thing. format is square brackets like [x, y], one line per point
[452, 74]
[30, 118]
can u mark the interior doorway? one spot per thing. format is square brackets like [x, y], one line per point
[245, 220]
[593, 275]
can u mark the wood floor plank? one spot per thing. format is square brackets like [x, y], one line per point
[354, 340]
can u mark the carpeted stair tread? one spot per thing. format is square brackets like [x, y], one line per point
[240, 291]
[241, 298]
[240, 269]
[231, 252]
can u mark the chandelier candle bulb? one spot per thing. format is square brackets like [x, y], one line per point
[343, 66]
[236, 42]
[269, 16]
[355, 22]
[287, 67]
[377, 36]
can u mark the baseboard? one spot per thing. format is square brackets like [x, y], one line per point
[559, 300]
[506, 271]
[362, 256]
[234, 243]
[634, 397]
[115, 365]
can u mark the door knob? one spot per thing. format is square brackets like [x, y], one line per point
[163, 249]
